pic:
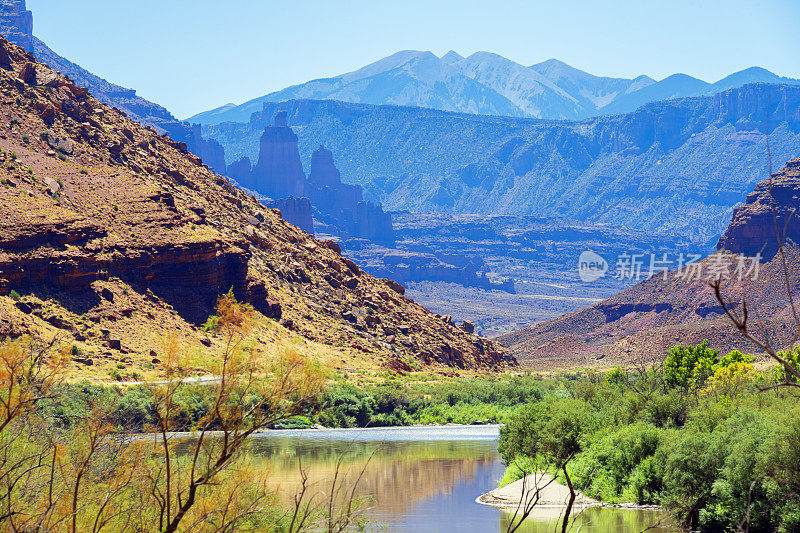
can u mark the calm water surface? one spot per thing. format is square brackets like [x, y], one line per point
[421, 479]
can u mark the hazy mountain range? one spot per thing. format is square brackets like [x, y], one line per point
[489, 84]
[674, 165]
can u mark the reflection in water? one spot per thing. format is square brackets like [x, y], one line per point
[417, 480]
[593, 519]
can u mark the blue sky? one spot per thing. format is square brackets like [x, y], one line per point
[193, 55]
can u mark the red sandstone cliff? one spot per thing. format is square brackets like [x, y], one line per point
[770, 210]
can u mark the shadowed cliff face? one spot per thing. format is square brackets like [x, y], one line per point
[278, 173]
[296, 211]
[342, 206]
[326, 189]
[324, 172]
[96, 210]
[675, 166]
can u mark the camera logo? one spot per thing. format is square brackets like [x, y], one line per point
[591, 266]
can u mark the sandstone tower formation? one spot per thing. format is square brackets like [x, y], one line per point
[327, 192]
[279, 175]
[279, 172]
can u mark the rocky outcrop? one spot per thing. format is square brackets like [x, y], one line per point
[16, 23]
[326, 189]
[279, 172]
[342, 206]
[279, 176]
[130, 239]
[769, 211]
[188, 276]
[209, 150]
[323, 170]
[295, 211]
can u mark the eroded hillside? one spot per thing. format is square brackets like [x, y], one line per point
[113, 237]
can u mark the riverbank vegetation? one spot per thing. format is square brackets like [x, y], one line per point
[390, 401]
[66, 464]
[708, 437]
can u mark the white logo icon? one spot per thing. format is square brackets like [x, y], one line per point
[591, 266]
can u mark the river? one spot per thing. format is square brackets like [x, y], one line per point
[419, 479]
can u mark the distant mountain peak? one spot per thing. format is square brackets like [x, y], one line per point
[551, 62]
[681, 76]
[554, 68]
[452, 57]
[746, 76]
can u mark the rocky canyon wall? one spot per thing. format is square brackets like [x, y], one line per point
[16, 23]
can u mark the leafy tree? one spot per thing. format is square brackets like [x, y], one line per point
[689, 365]
[554, 431]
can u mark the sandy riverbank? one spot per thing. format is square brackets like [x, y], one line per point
[539, 488]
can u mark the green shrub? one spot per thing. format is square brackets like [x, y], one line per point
[347, 406]
[618, 467]
[135, 408]
[211, 324]
[14, 295]
[689, 365]
[666, 411]
[616, 376]
[295, 422]
[554, 429]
